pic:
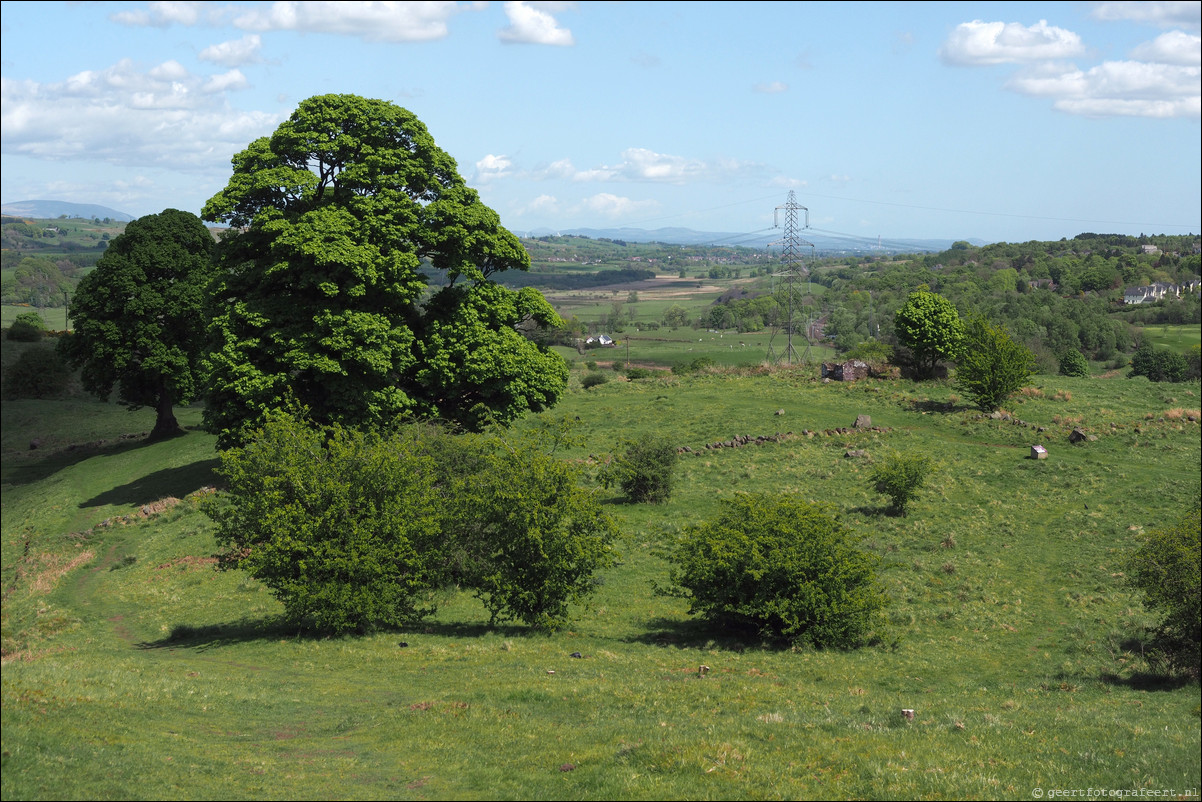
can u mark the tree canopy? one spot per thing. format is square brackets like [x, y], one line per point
[138, 319]
[930, 327]
[322, 298]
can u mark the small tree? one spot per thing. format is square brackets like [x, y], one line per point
[900, 477]
[644, 470]
[782, 566]
[1167, 568]
[27, 327]
[993, 365]
[527, 539]
[139, 318]
[930, 327]
[342, 526]
[1072, 363]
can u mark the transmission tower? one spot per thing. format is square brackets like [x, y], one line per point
[789, 293]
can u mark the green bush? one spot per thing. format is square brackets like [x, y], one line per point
[782, 566]
[871, 352]
[27, 327]
[644, 470]
[593, 379]
[1167, 568]
[900, 477]
[343, 527]
[527, 539]
[1159, 365]
[39, 372]
[355, 531]
[991, 365]
[638, 373]
[1072, 363]
[699, 364]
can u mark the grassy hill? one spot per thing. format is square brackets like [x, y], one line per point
[131, 668]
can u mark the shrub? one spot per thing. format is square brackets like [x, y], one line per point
[644, 470]
[900, 477]
[354, 531]
[638, 373]
[699, 364]
[38, 373]
[1072, 363]
[1167, 568]
[528, 541]
[871, 352]
[593, 379]
[992, 365]
[782, 566]
[342, 526]
[1158, 365]
[27, 327]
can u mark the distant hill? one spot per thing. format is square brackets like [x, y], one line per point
[51, 209]
[826, 244]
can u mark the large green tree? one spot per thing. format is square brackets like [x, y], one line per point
[322, 297]
[139, 320]
[930, 327]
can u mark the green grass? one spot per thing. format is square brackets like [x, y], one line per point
[1177, 337]
[133, 669]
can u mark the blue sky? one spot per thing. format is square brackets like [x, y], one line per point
[1000, 121]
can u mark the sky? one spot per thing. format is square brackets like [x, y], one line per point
[1007, 121]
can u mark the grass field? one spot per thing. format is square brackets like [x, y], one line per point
[133, 669]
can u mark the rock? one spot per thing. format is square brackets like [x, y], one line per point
[863, 422]
[856, 454]
[1079, 436]
[780, 412]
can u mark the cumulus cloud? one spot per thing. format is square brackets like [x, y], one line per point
[612, 206]
[1174, 47]
[123, 115]
[161, 14]
[235, 53]
[980, 42]
[642, 164]
[772, 88]
[372, 21]
[1117, 88]
[491, 167]
[1186, 14]
[531, 25]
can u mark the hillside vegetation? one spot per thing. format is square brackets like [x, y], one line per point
[133, 668]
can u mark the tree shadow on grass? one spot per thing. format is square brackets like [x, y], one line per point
[177, 482]
[214, 636]
[927, 405]
[1147, 681]
[700, 634]
[245, 630]
[56, 461]
[870, 510]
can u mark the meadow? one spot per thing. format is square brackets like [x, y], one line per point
[133, 669]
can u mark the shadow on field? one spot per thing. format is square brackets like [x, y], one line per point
[57, 461]
[211, 636]
[699, 634]
[177, 482]
[1146, 681]
[926, 405]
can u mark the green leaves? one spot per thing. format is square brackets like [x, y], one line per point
[930, 327]
[139, 317]
[321, 295]
[900, 477]
[993, 365]
[1167, 568]
[781, 566]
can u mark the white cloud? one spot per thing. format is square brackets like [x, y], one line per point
[372, 21]
[1187, 14]
[641, 164]
[1117, 88]
[161, 14]
[123, 115]
[1174, 47]
[775, 87]
[491, 167]
[980, 42]
[530, 25]
[615, 206]
[543, 204]
[234, 53]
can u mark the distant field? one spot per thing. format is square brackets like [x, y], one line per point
[1178, 337]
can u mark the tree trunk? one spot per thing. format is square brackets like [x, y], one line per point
[165, 424]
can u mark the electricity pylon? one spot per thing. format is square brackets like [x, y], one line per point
[793, 270]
